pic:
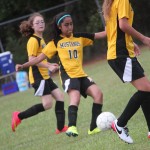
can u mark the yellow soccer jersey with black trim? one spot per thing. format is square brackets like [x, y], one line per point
[34, 48]
[120, 44]
[70, 53]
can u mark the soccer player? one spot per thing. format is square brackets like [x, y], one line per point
[69, 47]
[121, 56]
[39, 76]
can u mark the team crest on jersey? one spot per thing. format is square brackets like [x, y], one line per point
[69, 44]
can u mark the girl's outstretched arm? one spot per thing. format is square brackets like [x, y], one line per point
[125, 27]
[34, 61]
[100, 35]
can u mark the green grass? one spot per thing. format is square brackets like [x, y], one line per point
[37, 133]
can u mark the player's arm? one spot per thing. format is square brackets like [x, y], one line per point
[100, 35]
[137, 50]
[47, 65]
[52, 67]
[32, 62]
[41, 64]
[125, 27]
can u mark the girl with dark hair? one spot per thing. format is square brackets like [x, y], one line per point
[69, 47]
[121, 56]
[39, 76]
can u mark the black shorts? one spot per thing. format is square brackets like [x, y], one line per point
[80, 84]
[128, 69]
[44, 87]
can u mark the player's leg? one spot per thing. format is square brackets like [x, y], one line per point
[140, 98]
[119, 125]
[17, 116]
[94, 91]
[72, 87]
[129, 70]
[74, 98]
[143, 85]
[40, 90]
[59, 110]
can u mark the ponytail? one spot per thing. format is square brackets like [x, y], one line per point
[26, 29]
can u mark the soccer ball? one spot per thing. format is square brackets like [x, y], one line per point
[104, 120]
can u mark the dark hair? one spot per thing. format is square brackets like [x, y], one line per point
[26, 26]
[56, 22]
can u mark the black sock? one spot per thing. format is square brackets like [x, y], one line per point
[146, 107]
[72, 115]
[131, 108]
[31, 111]
[60, 114]
[96, 110]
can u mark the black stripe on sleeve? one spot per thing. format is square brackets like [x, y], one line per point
[85, 35]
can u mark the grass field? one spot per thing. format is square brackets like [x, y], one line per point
[37, 133]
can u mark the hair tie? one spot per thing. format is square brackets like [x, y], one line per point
[67, 15]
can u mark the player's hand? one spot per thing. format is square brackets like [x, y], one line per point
[53, 67]
[136, 50]
[146, 41]
[19, 67]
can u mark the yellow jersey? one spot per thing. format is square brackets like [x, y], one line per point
[35, 45]
[120, 44]
[70, 53]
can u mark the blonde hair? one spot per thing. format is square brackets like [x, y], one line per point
[106, 8]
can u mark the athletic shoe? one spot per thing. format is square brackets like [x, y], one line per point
[94, 131]
[113, 127]
[148, 135]
[122, 133]
[15, 120]
[72, 131]
[63, 130]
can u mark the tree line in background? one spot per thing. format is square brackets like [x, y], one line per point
[85, 16]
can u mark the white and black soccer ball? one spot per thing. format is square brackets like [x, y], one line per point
[104, 120]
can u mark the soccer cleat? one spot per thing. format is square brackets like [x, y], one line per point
[148, 135]
[122, 132]
[113, 127]
[72, 131]
[63, 130]
[94, 131]
[15, 120]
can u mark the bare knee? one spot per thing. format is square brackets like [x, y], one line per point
[61, 96]
[58, 95]
[47, 101]
[98, 97]
[95, 93]
[47, 105]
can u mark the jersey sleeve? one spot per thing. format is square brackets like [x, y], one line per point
[123, 9]
[32, 47]
[87, 38]
[50, 49]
